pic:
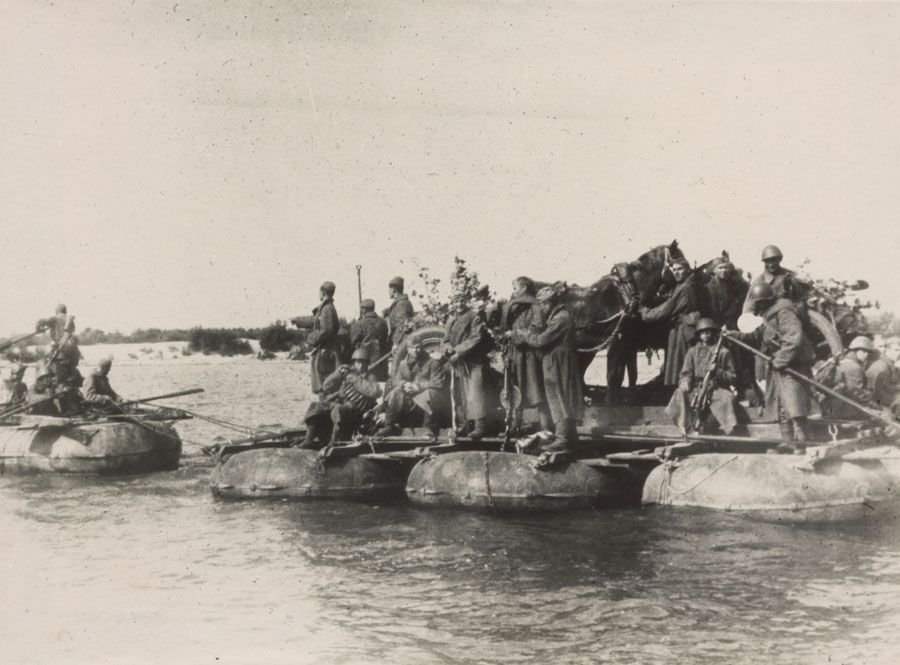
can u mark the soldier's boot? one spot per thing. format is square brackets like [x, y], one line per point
[786, 447]
[313, 432]
[800, 434]
[478, 431]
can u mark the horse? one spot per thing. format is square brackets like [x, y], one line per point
[605, 312]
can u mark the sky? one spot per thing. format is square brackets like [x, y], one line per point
[178, 164]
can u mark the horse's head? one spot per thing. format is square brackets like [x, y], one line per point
[652, 269]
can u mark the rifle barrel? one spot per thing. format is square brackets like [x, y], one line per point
[180, 393]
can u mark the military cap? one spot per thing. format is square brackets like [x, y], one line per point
[721, 261]
[367, 303]
[706, 324]
[546, 294]
[681, 262]
[862, 343]
[771, 252]
[328, 287]
[61, 309]
[396, 281]
[360, 354]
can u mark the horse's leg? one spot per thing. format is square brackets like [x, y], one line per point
[616, 361]
[631, 365]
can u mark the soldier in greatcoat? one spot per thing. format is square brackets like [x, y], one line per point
[782, 337]
[400, 312]
[863, 375]
[681, 310]
[370, 332]
[468, 348]
[701, 360]
[555, 341]
[523, 312]
[323, 338]
[420, 393]
[347, 394]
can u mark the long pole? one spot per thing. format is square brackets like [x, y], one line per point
[874, 413]
[180, 393]
[13, 342]
[359, 283]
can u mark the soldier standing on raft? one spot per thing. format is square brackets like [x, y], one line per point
[682, 310]
[781, 336]
[703, 359]
[468, 351]
[99, 392]
[370, 332]
[421, 388]
[64, 354]
[523, 312]
[346, 395]
[562, 381]
[400, 312]
[782, 280]
[324, 337]
[13, 390]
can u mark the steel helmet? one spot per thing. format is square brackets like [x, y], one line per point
[862, 343]
[360, 354]
[706, 324]
[367, 304]
[761, 291]
[771, 252]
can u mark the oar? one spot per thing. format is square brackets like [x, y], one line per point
[180, 393]
[13, 342]
[881, 416]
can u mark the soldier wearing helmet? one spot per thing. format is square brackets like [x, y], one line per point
[782, 280]
[64, 354]
[98, 391]
[370, 332]
[863, 376]
[13, 390]
[400, 312]
[702, 360]
[323, 338]
[347, 394]
[420, 395]
[782, 337]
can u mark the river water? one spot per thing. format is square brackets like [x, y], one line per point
[152, 569]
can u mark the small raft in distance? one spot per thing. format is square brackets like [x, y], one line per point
[110, 446]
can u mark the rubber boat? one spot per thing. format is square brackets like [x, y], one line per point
[111, 445]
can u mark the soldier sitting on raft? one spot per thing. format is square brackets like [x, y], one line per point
[49, 398]
[13, 390]
[346, 396]
[862, 375]
[98, 391]
[705, 359]
[420, 395]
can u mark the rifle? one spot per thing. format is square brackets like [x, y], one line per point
[703, 397]
[881, 416]
[509, 419]
[12, 342]
[359, 283]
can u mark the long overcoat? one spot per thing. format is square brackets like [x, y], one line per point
[523, 313]
[431, 396]
[468, 339]
[682, 310]
[397, 315]
[324, 340]
[781, 336]
[370, 332]
[562, 380]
